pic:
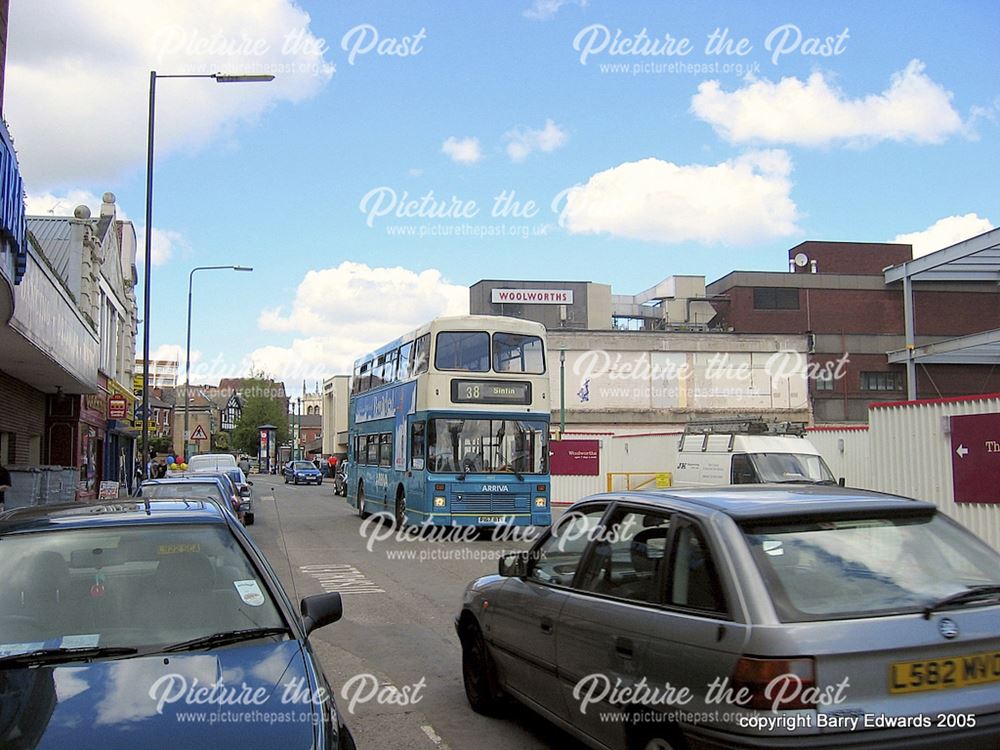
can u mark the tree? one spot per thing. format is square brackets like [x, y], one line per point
[260, 406]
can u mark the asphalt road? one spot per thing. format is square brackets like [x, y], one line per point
[400, 601]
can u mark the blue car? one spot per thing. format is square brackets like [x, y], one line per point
[302, 472]
[116, 618]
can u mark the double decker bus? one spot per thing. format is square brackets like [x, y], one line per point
[449, 425]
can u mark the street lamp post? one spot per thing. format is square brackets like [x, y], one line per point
[148, 249]
[562, 391]
[187, 356]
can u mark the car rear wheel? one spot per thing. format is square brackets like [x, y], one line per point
[482, 687]
[248, 519]
[286, 479]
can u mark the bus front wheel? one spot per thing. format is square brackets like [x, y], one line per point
[400, 516]
[361, 502]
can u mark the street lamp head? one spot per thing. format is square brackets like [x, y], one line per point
[242, 268]
[222, 78]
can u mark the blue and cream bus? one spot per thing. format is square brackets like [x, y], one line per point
[449, 425]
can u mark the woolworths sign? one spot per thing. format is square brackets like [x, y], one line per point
[532, 296]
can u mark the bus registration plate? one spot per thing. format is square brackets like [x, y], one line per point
[494, 519]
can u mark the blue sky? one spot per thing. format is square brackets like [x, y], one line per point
[894, 133]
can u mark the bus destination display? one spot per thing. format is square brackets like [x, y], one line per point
[490, 392]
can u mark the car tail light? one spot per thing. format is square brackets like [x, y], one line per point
[782, 684]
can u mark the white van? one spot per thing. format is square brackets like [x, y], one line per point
[749, 452]
[211, 462]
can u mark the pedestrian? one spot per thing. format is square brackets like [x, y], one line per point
[331, 464]
[4, 485]
[245, 466]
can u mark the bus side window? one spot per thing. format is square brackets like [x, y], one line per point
[421, 355]
[418, 445]
[403, 368]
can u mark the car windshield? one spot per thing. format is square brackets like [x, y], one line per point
[299, 465]
[790, 467]
[488, 446]
[823, 570]
[134, 586]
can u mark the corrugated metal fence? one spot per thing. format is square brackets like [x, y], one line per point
[906, 450]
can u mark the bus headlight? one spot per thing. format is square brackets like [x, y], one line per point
[539, 502]
[440, 502]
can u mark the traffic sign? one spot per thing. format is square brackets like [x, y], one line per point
[199, 433]
[975, 458]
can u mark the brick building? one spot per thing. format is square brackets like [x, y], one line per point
[836, 293]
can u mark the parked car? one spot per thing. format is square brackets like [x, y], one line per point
[244, 490]
[850, 605]
[299, 472]
[110, 611]
[216, 486]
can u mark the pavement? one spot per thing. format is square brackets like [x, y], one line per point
[400, 600]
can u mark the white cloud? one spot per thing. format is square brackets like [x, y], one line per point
[542, 10]
[743, 200]
[341, 313]
[77, 83]
[165, 241]
[815, 112]
[463, 151]
[49, 204]
[944, 232]
[522, 141]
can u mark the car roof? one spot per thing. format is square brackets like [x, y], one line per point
[199, 478]
[91, 515]
[751, 501]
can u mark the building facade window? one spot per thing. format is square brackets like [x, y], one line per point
[824, 381]
[881, 381]
[775, 298]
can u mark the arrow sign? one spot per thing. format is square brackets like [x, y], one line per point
[962, 451]
[199, 433]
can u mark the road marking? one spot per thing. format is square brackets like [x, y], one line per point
[342, 578]
[434, 737]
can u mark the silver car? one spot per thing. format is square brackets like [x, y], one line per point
[752, 616]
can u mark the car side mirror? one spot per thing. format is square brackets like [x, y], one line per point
[514, 565]
[321, 610]
[249, 483]
[244, 492]
[842, 482]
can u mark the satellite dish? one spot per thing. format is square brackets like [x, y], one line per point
[801, 260]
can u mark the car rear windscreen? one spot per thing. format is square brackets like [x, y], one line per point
[858, 567]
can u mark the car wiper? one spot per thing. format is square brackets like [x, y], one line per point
[970, 595]
[221, 639]
[58, 655]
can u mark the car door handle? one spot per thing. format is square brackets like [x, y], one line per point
[546, 624]
[624, 647]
